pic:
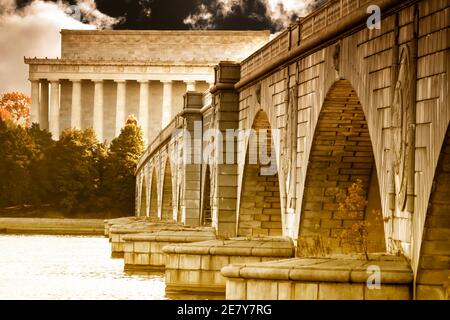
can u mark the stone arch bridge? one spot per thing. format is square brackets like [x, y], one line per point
[348, 104]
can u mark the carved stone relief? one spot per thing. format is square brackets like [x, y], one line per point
[289, 160]
[337, 57]
[402, 129]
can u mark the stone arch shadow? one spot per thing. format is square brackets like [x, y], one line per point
[259, 212]
[143, 198]
[153, 207]
[167, 194]
[206, 207]
[341, 154]
[433, 274]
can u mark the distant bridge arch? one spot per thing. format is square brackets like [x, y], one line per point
[259, 204]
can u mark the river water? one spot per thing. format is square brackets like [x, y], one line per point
[69, 267]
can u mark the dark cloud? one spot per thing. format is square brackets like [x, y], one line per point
[171, 14]
[174, 14]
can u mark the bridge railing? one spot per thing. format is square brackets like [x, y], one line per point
[161, 139]
[323, 17]
[166, 134]
[277, 46]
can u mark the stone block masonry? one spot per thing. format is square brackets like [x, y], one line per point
[119, 231]
[196, 267]
[144, 251]
[343, 278]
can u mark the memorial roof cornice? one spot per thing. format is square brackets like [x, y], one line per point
[164, 32]
[102, 62]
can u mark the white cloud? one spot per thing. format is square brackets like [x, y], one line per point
[93, 16]
[202, 19]
[34, 31]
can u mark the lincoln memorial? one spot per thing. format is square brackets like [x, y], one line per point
[105, 75]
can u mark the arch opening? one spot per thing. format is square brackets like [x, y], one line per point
[206, 205]
[153, 211]
[166, 207]
[341, 155]
[260, 207]
[178, 202]
[143, 206]
[433, 276]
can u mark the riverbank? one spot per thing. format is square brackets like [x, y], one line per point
[52, 226]
[52, 212]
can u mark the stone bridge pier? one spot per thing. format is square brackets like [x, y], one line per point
[339, 103]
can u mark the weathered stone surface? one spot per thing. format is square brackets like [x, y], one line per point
[341, 291]
[306, 291]
[236, 289]
[388, 292]
[262, 290]
[328, 278]
[211, 256]
[151, 246]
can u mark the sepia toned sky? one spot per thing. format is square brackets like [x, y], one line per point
[30, 28]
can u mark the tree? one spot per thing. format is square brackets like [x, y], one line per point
[18, 150]
[17, 104]
[353, 206]
[74, 174]
[5, 115]
[120, 179]
[40, 166]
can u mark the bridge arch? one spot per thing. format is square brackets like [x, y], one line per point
[259, 205]
[434, 263]
[206, 216]
[167, 194]
[143, 198]
[153, 209]
[341, 154]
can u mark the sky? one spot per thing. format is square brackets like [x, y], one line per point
[30, 28]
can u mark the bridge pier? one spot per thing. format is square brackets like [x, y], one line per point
[224, 165]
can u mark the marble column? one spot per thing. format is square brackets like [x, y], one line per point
[44, 106]
[167, 103]
[98, 109]
[190, 85]
[54, 109]
[120, 105]
[34, 112]
[75, 117]
[143, 107]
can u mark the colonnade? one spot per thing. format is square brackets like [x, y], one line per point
[46, 104]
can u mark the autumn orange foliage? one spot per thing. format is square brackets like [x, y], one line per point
[4, 114]
[15, 105]
[353, 206]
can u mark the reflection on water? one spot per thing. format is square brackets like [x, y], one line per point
[68, 267]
